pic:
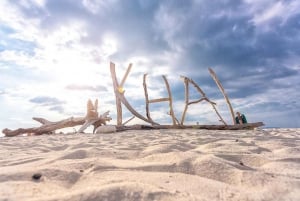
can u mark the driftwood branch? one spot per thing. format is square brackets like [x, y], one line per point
[116, 90]
[127, 121]
[157, 100]
[126, 75]
[217, 81]
[197, 101]
[187, 102]
[47, 127]
[170, 100]
[120, 98]
[41, 120]
[212, 103]
[186, 89]
[146, 97]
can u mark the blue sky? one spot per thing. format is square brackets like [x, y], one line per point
[55, 54]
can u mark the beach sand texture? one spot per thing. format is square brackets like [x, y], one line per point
[153, 165]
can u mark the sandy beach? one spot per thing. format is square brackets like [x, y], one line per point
[152, 165]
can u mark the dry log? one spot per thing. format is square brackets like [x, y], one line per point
[47, 127]
[205, 127]
[230, 127]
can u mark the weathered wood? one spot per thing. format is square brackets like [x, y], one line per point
[126, 75]
[102, 120]
[146, 97]
[86, 124]
[204, 127]
[212, 103]
[120, 98]
[126, 122]
[157, 100]
[217, 81]
[49, 127]
[230, 127]
[197, 87]
[92, 110]
[197, 101]
[96, 106]
[187, 97]
[132, 110]
[42, 120]
[187, 102]
[116, 87]
[46, 127]
[91, 118]
[170, 100]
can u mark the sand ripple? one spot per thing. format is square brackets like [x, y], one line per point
[153, 165]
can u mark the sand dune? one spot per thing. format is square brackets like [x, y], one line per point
[153, 165]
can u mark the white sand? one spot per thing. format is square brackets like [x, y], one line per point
[153, 165]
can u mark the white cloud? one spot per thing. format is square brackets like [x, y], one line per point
[169, 23]
[270, 13]
[11, 16]
[267, 11]
[96, 6]
[31, 3]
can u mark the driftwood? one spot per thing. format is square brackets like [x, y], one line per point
[157, 100]
[120, 98]
[49, 127]
[92, 117]
[207, 127]
[127, 121]
[187, 102]
[215, 78]
[118, 102]
[170, 101]
[146, 98]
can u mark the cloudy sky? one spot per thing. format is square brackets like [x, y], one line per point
[55, 54]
